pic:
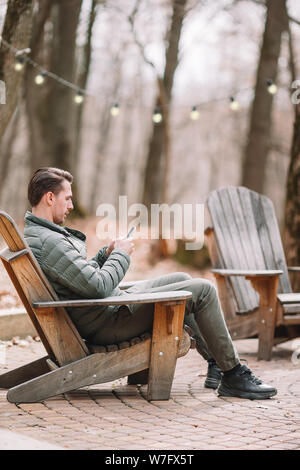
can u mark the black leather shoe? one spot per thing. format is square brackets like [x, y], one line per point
[244, 384]
[213, 376]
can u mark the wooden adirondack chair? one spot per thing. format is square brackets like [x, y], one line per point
[250, 267]
[71, 363]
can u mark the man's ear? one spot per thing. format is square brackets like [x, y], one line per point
[48, 198]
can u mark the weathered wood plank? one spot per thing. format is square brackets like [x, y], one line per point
[164, 350]
[291, 308]
[93, 369]
[24, 373]
[227, 299]
[291, 320]
[228, 253]
[245, 272]
[289, 298]
[125, 299]
[246, 206]
[29, 309]
[9, 255]
[267, 289]
[276, 244]
[54, 322]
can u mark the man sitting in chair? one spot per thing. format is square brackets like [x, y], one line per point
[61, 253]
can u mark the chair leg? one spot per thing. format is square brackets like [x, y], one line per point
[167, 331]
[267, 289]
[24, 373]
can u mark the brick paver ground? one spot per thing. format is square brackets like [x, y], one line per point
[117, 416]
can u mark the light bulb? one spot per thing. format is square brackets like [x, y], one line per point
[115, 110]
[78, 98]
[157, 116]
[40, 78]
[19, 64]
[234, 105]
[194, 113]
[272, 89]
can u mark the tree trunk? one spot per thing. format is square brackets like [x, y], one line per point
[17, 32]
[291, 237]
[60, 100]
[36, 97]
[7, 143]
[101, 148]
[258, 145]
[155, 184]
[292, 208]
[82, 79]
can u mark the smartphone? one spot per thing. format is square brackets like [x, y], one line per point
[130, 232]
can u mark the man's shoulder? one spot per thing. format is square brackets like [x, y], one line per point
[39, 236]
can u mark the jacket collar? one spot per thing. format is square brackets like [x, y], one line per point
[30, 219]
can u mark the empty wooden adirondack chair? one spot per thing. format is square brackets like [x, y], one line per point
[70, 362]
[250, 267]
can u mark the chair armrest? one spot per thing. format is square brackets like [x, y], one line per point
[294, 269]
[247, 272]
[118, 300]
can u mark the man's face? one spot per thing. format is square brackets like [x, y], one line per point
[62, 203]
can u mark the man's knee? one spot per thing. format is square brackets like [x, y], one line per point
[206, 287]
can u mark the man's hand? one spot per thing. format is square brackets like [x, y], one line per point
[125, 244]
[110, 247]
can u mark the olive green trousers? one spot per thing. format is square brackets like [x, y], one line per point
[202, 314]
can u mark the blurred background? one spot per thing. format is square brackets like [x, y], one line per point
[159, 100]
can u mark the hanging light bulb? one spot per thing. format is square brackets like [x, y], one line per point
[194, 113]
[78, 98]
[157, 116]
[234, 104]
[115, 110]
[20, 58]
[19, 64]
[272, 87]
[40, 78]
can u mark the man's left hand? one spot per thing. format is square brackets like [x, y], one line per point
[110, 247]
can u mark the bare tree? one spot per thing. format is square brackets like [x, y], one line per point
[258, 144]
[60, 100]
[51, 110]
[36, 98]
[7, 143]
[16, 32]
[291, 236]
[157, 162]
[82, 78]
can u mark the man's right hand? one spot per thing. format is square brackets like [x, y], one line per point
[125, 244]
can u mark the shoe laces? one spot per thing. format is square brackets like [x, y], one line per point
[245, 370]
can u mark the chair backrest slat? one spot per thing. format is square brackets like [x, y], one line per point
[58, 333]
[247, 237]
[231, 249]
[276, 245]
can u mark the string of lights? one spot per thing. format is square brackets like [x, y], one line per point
[22, 57]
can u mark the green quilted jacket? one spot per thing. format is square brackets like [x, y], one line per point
[61, 253]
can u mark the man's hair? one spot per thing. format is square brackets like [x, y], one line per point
[44, 180]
